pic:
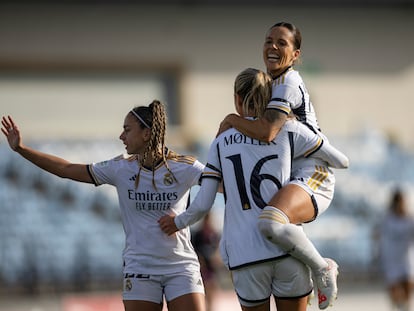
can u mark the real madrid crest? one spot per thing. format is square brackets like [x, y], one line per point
[168, 179]
[128, 285]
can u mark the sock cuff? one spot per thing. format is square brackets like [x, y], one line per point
[274, 214]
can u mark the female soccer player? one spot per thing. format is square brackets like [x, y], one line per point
[251, 172]
[311, 189]
[396, 251]
[150, 180]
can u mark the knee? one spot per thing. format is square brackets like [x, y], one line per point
[271, 223]
[265, 228]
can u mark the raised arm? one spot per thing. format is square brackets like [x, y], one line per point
[47, 162]
[263, 129]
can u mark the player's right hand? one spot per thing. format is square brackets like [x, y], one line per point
[11, 131]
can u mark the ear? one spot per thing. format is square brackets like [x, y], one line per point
[146, 134]
[296, 54]
[238, 104]
[238, 100]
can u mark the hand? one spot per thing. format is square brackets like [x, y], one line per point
[167, 224]
[12, 133]
[225, 124]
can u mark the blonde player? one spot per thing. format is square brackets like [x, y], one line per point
[311, 190]
[251, 172]
[150, 181]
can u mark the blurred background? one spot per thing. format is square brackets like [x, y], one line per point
[71, 70]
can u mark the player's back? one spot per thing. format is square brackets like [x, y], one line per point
[252, 172]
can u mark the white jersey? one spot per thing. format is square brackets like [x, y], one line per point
[148, 250]
[289, 94]
[252, 172]
[397, 248]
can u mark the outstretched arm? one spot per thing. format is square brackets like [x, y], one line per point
[331, 155]
[47, 162]
[263, 129]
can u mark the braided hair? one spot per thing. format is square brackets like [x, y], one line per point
[153, 117]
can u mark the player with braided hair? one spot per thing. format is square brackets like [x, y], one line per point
[156, 121]
[150, 180]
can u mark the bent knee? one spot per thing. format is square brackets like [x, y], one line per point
[271, 222]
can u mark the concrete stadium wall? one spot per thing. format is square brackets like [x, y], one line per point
[357, 61]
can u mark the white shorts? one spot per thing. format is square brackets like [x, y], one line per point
[319, 182]
[396, 268]
[395, 274]
[153, 287]
[285, 278]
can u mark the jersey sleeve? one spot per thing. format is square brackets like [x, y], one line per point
[196, 172]
[213, 166]
[204, 199]
[284, 98]
[331, 155]
[200, 206]
[103, 172]
[307, 143]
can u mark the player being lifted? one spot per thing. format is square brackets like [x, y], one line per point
[311, 189]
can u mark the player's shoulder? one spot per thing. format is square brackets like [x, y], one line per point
[293, 77]
[117, 161]
[290, 77]
[126, 157]
[225, 137]
[298, 128]
[122, 157]
[181, 158]
[292, 125]
[187, 159]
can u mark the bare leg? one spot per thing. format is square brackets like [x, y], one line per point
[277, 222]
[400, 295]
[295, 202]
[299, 304]
[263, 307]
[188, 302]
[140, 305]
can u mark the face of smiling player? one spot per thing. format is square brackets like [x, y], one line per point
[279, 51]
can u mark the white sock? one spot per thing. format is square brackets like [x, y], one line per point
[275, 226]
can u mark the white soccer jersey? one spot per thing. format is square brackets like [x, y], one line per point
[148, 250]
[289, 93]
[252, 172]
